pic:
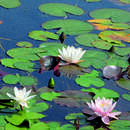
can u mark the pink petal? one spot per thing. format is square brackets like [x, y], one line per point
[105, 119]
[112, 107]
[114, 114]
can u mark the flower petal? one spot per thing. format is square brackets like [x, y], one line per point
[106, 120]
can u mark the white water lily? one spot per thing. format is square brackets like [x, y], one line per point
[71, 54]
[21, 96]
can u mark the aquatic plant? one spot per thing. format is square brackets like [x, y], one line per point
[103, 108]
[21, 96]
[71, 54]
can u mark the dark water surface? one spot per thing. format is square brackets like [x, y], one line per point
[19, 21]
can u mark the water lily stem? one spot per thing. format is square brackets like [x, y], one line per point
[21, 107]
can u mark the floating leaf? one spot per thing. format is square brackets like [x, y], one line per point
[102, 92]
[86, 39]
[2, 122]
[12, 127]
[124, 83]
[42, 35]
[60, 9]
[68, 26]
[95, 58]
[40, 126]
[73, 98]
[67, 127]
[119, 125]
[24, 44]
[102, 44]
[122, 51]
[87, 80]
[126, 96]
[92, 0]
[117, 15]
[125, 1]
[10, 3]
[115, 37]
[25, 53]
[49, 96]
[102, 21]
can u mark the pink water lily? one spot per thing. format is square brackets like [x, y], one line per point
[103, 108]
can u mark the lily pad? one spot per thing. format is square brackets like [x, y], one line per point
[42, 35]
[124, 83]
[10, 3]
[13, 127]
[87, 80]
[125, 1]
[122, 51]
[119, 125]
[24, 44]
[25, 53]
[60, 9]
[86, 39]
[23, 80]
[49, 96]
[126, 96]
[68, 26]
[40, 126]
[102, 92]
[73, 98]
[117, 15]
[115, 37]
[92, 0]
[94, 58]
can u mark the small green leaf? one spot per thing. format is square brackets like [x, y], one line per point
[40, 126]
[49, 96]
[24, 44]
[126, 96]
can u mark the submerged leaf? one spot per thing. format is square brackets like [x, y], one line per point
[126, 96]
[60, 9]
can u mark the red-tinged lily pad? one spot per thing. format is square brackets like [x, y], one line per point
[95, 58]
[73, 98]
[115, 37]
[42, 35]
[10, 3]
[86, 39]
[126, 96]
[68, 26]
[24, 44]
[102, 92]
[117, 15]
[124, 83]
[92, 78]
[60, 9]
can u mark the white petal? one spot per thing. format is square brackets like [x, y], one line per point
[11, 96]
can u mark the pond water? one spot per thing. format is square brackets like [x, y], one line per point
[18, 22]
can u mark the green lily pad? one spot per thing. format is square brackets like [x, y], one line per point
[115, 37]
[95, 58]
[24, 44]
[102, 92]
[125, 1]
[126, 96]
[23, 80]
[10, 3]
[117, 15]
[122, 51]
[117, 60]
[50, 48]
[67, 127]
[92, 0]
[87, 128]
[12, 127]
[124, 83]
[49, 96]
[42, 35]
[87, 80]
[86, 39]
[102, 44]
[40, 126]
[68, 26]
[2, 122]
[119, 125]
[10, 79]
[25, 53]
[60, 9]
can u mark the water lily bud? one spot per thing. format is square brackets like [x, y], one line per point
[51, 83]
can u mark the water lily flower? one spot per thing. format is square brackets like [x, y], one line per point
[21, 96]
[103, 108]
[71, 54]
